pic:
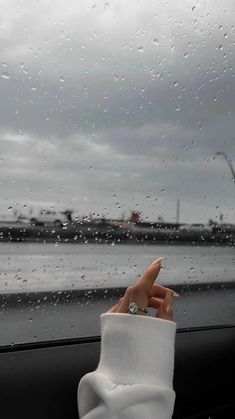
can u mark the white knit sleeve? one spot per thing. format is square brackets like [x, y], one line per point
[134, 376]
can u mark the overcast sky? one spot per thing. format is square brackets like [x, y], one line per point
[108, 107]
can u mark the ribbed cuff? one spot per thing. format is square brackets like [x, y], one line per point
[137, 349]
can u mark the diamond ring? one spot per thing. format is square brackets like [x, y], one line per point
[133, 309]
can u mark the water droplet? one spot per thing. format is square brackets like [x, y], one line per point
[141, 49]
[5, 75]
[221, 47]
[22, 67]
[61, 79]
[155, 41]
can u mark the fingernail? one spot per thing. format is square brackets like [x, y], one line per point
[173, 293]
[168, 308]
[157, 261]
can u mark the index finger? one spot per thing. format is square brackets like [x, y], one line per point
[147, 280]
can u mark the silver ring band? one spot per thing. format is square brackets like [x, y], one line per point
[134, 308]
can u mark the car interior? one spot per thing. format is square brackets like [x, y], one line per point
[116, 147]
[40, 379]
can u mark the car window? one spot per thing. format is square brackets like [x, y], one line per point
[116, 147]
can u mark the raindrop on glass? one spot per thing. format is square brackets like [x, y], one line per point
[5, 75]
[155, 41]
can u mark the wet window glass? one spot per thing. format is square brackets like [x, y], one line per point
[116, 147]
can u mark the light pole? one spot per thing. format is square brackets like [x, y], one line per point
[178, 212]
[221, 153]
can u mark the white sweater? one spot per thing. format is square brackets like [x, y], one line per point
[134, 376]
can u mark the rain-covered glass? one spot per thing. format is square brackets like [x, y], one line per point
[116, 147]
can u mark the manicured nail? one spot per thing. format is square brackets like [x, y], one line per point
[173, 293]
[168, 308]
[157, 261]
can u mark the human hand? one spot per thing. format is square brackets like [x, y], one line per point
[145, 293]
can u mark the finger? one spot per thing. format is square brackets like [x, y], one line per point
[124, 302]
[155, 303]
[113, 309]
[146, 281]
[135, 295]
[166, 309]
[160, 291]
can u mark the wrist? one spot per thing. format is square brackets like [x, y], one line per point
[137, 349]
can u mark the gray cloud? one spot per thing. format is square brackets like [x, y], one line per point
[113, 107]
